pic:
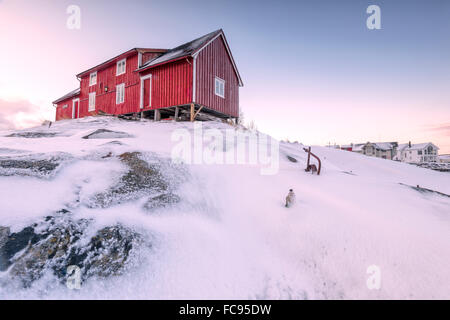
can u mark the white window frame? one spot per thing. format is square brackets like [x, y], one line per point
[120, 93]
[118, 72]
[92, 97]
[219, 81]
[92, 83]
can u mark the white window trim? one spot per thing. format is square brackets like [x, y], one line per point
[124, 66]
[118, 87]
[222, 82]
[92, 107]
[90, 79]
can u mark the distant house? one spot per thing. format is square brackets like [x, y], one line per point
[384, 150]
[444, 158]
[160, 83]
[417, 153]
[347, 147]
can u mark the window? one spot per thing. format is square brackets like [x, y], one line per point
[121, 67]
[120, 93]
[420, 152]
[93, 78]
[64, 106]
[219, 88]
[92, 101]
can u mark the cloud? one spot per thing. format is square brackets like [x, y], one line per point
[443, 128]
[19, 114]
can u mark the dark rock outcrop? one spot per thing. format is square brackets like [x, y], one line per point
[59, 242]
[291, 159]
[37, 165]
[107, 134]
[142, 179]
[161, 201]
[32, 135]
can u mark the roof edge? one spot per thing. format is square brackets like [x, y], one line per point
[69, 95]
[126, 53]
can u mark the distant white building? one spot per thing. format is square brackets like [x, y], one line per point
[384, 150]
[444, 158]
[417, 153]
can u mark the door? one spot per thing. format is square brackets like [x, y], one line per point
[146, 92]
[75, 108]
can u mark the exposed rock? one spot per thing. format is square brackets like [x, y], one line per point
[141, 180]
[107, 134]
[59, 242]
[161, 201]
[425, 190]
[15, 243]
[32, 135]
[40, 165]
[4, 234]
[291, 159]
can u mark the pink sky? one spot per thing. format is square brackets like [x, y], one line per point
[305, 86]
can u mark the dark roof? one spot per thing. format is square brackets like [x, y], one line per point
[184, 50]
[188, 49]
[71, 94]
[123, 54]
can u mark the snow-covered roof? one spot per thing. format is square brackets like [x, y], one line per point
[358, 147]
[416, 146]
[184, 50]
[71, 94]
[378, 145]
[384, 145]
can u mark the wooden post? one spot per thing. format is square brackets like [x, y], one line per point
[177, 110]
[309, 155]
[157, 115]
[192, 112]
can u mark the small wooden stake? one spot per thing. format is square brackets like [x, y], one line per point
[177, 110]
[192, 112]
[157, 115]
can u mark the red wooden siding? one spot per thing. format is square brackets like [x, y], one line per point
[64, 113]
[171, 84]
[214, 61]
[106, 101]
[149, 56]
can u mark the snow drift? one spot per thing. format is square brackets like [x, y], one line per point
[146, 227]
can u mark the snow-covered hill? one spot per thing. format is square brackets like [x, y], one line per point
[103, 194]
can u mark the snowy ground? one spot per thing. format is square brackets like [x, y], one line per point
[231, 236]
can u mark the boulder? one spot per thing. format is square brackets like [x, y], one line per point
[62, 242]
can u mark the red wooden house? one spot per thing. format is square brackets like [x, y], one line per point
[198, 75]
